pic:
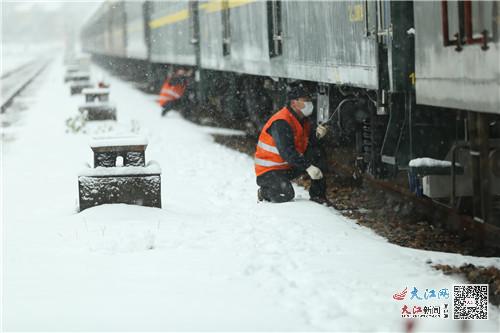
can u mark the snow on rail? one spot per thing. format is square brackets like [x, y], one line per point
[16, 80]
[428, 162]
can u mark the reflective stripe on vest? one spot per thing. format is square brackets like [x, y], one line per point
[170, 93]
[268, 148]
[265, 163]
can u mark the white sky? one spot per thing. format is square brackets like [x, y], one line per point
[39, 21]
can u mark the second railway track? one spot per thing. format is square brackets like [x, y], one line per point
[14, 81]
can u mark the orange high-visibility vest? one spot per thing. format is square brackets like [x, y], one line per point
[170, 92]
[267, 156]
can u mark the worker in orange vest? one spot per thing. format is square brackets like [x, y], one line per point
[288, 147]
[172, 91]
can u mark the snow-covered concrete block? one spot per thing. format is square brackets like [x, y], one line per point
[131, 148]
[152, 168]
[128, 184]
[98, 111]
[143, 190]
[131, 181]
[96, 94]
[77, 86]
[76, 76]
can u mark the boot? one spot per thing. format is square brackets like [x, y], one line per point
[322, 201]
[260, 198]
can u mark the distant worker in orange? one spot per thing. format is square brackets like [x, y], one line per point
[173, 90]
[288, 147]
[102, 84]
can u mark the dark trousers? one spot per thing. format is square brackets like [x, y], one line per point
[178, 104]
[276, 185]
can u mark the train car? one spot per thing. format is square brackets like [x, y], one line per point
[457, 54]
[398, 80]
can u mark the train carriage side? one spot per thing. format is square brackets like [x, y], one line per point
[234, 37]
[136, 29]
[93, 33]
[290, 39]
[170, 39]
[460, 77]
[117, 31]
[457, 54]
[136, 47]
[109, 35]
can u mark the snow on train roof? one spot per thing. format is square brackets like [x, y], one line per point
[116, 141]
[429, 162]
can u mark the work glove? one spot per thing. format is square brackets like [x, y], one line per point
[314, 172]
[321, 131]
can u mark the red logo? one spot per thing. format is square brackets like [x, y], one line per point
[400, 296]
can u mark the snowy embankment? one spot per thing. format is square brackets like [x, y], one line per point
[211, 259]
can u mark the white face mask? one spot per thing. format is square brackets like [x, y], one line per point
[308, 108]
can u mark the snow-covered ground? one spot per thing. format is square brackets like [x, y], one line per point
[211, 259]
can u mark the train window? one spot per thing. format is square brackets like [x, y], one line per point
[226, 29]
[274, 28]
[468, 27]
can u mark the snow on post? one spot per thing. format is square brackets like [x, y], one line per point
[135, 182]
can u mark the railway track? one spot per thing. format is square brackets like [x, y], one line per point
[13, 82]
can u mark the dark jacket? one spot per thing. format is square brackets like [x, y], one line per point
[283, 136]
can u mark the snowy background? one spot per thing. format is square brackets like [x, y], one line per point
[211, 259]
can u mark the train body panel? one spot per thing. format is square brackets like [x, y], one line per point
[105, 34]
[93, 34]
[135, 30]
[247, 40]
[117, 30]
[467, 79]
[170, 33]
[336, 51]
[296, 40]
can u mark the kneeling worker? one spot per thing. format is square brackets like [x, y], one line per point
[287, 148]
